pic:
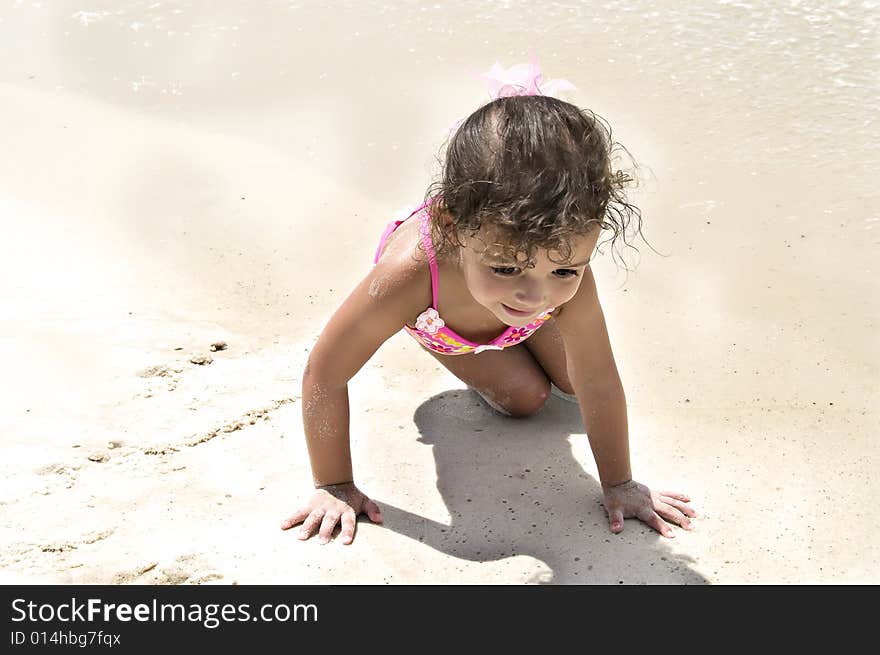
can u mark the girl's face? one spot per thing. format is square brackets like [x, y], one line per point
[517, 292]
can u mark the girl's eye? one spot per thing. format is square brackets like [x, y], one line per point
[505, 270]
[567, 272]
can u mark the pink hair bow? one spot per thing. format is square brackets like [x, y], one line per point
[523, 80]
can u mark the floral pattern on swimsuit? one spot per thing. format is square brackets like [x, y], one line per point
[440, 339]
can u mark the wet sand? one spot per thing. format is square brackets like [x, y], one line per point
[183, 174]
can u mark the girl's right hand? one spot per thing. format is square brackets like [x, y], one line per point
[332, 504]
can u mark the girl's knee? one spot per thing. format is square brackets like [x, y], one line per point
[530, 403]
[524, 401]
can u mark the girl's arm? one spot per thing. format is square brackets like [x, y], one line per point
[593, 374]
[375, 310]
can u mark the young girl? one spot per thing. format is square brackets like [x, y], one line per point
[491, 276]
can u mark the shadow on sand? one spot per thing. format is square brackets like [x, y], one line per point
[514, 487]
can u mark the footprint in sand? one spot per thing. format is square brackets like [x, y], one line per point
[185, 569]
[57, 475]
[156, 373]
[86, 540]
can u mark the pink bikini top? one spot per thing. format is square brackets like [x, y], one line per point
[430, 330]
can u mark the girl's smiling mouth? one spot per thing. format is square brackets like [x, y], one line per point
[517, 312]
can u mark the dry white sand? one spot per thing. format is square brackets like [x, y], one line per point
[175, 175]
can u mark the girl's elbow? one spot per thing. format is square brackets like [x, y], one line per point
[323, 375]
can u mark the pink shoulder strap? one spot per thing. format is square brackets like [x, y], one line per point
[425, 231]
[393, 225]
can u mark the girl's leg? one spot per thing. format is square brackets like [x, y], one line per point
[510, 380]
[516, 380]
[548, 349]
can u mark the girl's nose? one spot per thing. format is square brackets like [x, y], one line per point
[529, 294]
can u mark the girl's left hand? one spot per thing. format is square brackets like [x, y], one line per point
[633, 500]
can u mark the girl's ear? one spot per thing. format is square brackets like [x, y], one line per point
[446, 224]
[457, 237]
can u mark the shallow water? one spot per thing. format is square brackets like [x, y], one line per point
[754, 83]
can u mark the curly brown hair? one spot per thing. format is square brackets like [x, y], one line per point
[535, 168]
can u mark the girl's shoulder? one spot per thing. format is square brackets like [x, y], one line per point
[401, 276]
